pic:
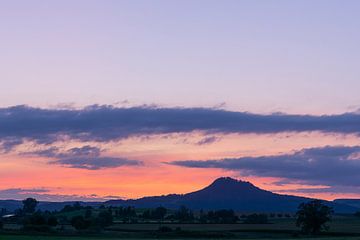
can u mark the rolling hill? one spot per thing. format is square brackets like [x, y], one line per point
[223, 193]
[228, 193]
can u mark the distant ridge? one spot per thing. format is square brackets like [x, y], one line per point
[223, 193]
[229, 193]
[350, 202]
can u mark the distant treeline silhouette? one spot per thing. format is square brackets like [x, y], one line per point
[311, 217]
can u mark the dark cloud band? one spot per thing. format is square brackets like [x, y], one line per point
[331, 166]
[105, 123]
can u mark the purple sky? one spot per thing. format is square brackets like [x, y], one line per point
[259, 56]
[187, 91]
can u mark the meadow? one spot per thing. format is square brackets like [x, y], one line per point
[9, 237]
[341, 228]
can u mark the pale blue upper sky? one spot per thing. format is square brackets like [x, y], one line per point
[260, 56]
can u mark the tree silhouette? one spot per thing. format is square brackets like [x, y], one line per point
[29, 205]
[159, 213]
[184, 214]
[256, 219]
[80, 223]
[104, 218]
[313, 216]
[88, 213]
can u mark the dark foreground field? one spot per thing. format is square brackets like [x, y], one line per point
[100, 238]
[339, 224]
[341, 228]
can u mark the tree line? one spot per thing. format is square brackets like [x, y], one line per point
[311, 217]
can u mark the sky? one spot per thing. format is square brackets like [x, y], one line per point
[124, 99]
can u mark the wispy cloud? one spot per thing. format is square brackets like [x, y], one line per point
[207, 140]
[9, 143]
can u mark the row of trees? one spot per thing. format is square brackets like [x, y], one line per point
[220, 216]
[311, 217]
[103, 219]
[37, 220]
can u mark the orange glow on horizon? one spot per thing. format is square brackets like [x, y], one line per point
[155, 177]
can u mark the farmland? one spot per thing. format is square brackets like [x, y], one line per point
[78, 222]
[9, 237]
[341, 227]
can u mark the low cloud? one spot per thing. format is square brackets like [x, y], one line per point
[332, 189]
[333, 166]
[9, 143]
[44, 194]
[106, 123]
[22, 191]
[95, 163]
[86, 157]
[207, 140]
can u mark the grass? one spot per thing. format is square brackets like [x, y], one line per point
[11, 237]
[279, 228]
[338, 225]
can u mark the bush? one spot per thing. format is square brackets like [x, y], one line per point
[256, 219]
[79, 223]
[52, 221]
[35, 219]
[184, 214]
[104, 219]
[221, 216]
[165, 229]
[157, 213]
[88, 213]
[37, 228]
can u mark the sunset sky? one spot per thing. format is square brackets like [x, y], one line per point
[123, 99]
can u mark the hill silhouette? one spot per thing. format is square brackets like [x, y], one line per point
[229, 193]
[223, 193]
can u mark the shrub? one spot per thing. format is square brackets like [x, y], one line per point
[88, 213]
[104, 219]
[37, 228]
[165, 229]
[80, 223]
[35, 219]
[221, 216]
[256, 219]
[184, 214]
[52, 221]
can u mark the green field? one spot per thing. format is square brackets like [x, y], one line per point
[345, 227]
[100, 238]
[338, 225]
